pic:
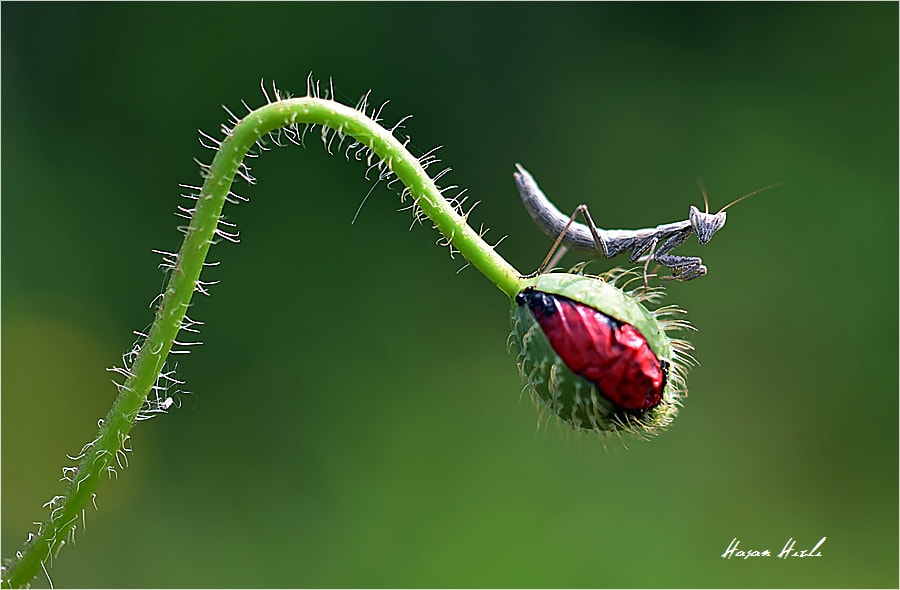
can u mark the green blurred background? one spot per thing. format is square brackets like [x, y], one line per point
[356, 417]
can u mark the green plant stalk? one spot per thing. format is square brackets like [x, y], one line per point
[106, 449]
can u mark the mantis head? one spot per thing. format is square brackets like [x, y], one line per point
[705, 224]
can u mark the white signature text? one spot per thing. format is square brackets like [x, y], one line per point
[790, 549]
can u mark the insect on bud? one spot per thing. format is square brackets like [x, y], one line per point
[596, 357]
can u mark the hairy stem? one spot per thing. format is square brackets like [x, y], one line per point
[108, 449]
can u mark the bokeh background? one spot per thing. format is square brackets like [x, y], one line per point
[356, 419]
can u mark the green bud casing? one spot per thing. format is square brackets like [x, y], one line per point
[577, 400]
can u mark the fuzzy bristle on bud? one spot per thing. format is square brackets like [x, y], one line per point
[596, 357]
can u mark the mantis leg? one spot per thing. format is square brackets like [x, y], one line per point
[560, 250]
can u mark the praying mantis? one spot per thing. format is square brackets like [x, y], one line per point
[655, 242]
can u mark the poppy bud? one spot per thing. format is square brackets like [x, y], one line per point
[596, 357]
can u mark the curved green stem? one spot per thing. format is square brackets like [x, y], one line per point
[108, 449]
